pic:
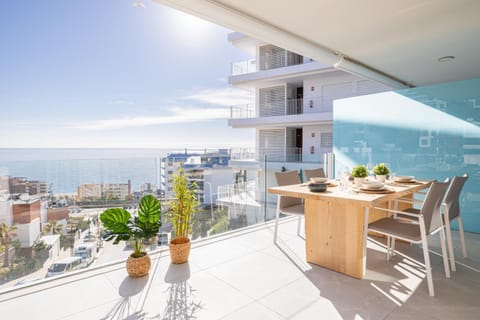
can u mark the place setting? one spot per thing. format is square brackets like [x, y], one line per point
[403, 180]
[319, 184]
[373, 186]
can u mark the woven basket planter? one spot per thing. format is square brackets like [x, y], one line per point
[179, 250]
[138, 267]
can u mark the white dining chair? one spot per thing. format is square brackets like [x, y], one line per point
[314, 173]
[452, 211]
[288, 205]
[428, 222]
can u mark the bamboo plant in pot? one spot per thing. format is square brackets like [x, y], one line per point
[180, 211]
[120, 225]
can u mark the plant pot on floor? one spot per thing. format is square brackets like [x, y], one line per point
[138, 267]
[179, 250]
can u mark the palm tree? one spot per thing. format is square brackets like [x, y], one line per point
[6, 234]
[53, 227]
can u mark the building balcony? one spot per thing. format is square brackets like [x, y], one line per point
[247, 111]
[243, 67]
[247, 77]
[243, 275]
[247, 119]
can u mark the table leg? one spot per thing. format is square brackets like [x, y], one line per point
[365, 238]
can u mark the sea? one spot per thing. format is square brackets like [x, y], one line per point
[65, 169]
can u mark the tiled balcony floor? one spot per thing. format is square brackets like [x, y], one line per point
[243, 275]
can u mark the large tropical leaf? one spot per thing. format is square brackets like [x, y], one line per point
[149, 209]
[116, 220]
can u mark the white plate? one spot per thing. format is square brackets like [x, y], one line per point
[372, 189]
[403, 178]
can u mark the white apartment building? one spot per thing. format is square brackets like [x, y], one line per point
[95, 191]
[208, 170]
[292, 114]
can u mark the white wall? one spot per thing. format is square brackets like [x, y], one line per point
[6, 215]
[319, 92]
[43, 211]
[28, 233]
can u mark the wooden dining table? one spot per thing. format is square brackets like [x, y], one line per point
[336, 222]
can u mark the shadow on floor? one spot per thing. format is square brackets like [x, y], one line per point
[181, 304]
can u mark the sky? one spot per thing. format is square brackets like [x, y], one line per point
[106, 73]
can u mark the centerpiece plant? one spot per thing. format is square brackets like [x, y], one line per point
[381, 170]
[180, 211]
[121, 226]
[359, 173]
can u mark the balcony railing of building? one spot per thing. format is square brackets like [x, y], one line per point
[243, 67]
[238, 192]
[243, 154]
[276, 60]
[288, 154]
[243, 111]
[247, 111]
[294, 106]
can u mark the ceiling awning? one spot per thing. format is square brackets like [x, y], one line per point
[398, 43]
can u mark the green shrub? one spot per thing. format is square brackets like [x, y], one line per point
[360, 171]
[381, 169]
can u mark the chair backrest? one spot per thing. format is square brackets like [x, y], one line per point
[314, 173]
[432, 204]
[452, 198]
[284, 179]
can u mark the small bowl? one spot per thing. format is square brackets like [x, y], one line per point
[373, 184]
[318, 179]
[317, 187]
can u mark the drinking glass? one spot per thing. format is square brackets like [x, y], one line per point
[391, 177]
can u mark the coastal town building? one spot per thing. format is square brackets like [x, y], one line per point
[24, 185]
[208, 170]
[104, 191]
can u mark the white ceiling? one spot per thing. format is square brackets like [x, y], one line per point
[402, 39]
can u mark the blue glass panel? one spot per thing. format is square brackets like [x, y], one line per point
[430, 132]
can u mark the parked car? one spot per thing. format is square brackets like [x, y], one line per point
[64, 266]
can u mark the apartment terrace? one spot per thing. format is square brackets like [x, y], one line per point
[243, 275]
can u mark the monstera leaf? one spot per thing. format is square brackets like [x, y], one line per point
[149, 209]
[116, 221]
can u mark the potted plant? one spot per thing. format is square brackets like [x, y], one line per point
[381, 170]
[359, 173]
[120, 225]
[180, 212]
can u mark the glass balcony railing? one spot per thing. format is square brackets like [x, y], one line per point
[48, 208]
[243, 111]
[294, 106]
[243, 67]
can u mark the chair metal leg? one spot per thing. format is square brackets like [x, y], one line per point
[462, 235]
[392, 247]
[449, 240]
[444, 253]
[299, 225]
[388, 248]
[426, 257]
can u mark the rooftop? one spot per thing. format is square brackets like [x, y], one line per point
[243, 275]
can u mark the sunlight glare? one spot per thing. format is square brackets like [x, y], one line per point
[190, 30]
